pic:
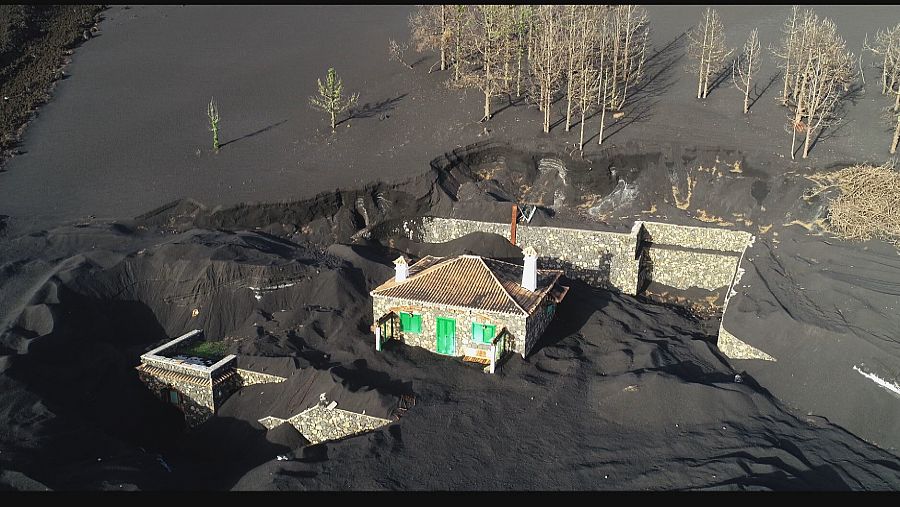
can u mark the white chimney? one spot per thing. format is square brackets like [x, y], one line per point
[529, 274]
[401, 268]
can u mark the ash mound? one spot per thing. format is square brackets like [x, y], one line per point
[617, 385]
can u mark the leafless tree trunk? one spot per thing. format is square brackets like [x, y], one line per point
[787, 53]
[629, 31]
[605, 45]
[571, 21]
[887, 46]
[460, 16]
[825, 74]
[523, 23]
[546, 64]
[896, 131]
[746, 66]
[443, 37]
[606, 78]
[708, 49]
[487, 42]
[586, 75]
[429, 30]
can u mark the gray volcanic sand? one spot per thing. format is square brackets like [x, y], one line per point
[622, 394]
[123, 133]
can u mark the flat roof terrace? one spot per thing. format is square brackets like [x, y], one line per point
[192, 355]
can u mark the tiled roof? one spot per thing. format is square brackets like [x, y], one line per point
[470, 281]
[176, 376]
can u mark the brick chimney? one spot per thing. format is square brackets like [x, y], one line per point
[401, 268]
[529, 274]
[512, 224]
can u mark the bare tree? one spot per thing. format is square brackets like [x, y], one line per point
[483, 45]
[746, 66]
[522, 33]
[571, 51]
[587, 75]
[396, 51]
[330, 99]
[824, 74]
[708, 49]
[459, 18]
[212, 112]
[887, 46]
[786, 55]
[630, 33]
[604, 51]
[430, 30]
[545, 65]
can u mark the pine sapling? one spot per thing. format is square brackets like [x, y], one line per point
[331, 99]
[212, 111]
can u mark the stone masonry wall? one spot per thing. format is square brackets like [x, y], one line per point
[249, 378]
[320, 423]
[536, 325]
[683, 256]
[603, 258]
[464, 317]
[683, 269]
[599, 258]
[197, 402]
[702, 238]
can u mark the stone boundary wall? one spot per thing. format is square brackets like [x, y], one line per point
[683, 269]
[603, 258]
[694, 262]
[320, 423]
[249, 378]
[701, 238]
[729, 344]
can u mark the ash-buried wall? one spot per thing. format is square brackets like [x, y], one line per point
[683, 257]
[676, 256]
[604, 258]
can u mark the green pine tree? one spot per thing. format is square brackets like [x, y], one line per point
[331, 100]
[212, 111]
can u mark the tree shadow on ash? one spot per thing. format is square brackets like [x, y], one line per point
[370, 109]
[251, 134]
[720, 77]
[420, 60]
[764, 90]
[852, 95]
[510, 102]
[659, 79]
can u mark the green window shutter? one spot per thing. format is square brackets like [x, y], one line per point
[482, 333]
[415, 324]
[488, 333]
[404, 321]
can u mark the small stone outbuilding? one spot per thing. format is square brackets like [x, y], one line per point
[195, 385]
[470, 306]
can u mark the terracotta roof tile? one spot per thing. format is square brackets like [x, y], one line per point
[470, 281]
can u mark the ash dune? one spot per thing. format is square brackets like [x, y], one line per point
[122, 222]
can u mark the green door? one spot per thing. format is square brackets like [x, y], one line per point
[446, 336]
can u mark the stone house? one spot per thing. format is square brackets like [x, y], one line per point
[470, 306]
[195, 385]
